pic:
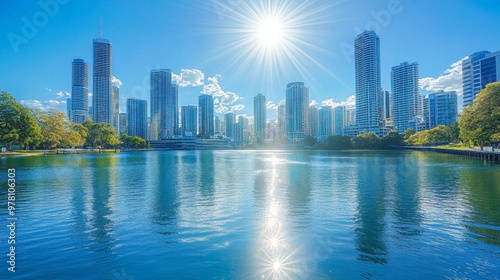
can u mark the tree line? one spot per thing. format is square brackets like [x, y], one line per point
[32, 128]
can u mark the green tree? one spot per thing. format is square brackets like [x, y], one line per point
[134, 142]
[309, 141]
[101, 134]
[480, 122]
[408, 133]
[54, 128]
[338, 142]
[437, 135]
[17, 123]
[392, 138]
[367, 140]
[453, 132]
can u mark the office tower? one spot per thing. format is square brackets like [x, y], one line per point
[68, 108]
[405, 95]
[229, 119]
[297, 105]
[259, 112]
[206, 115]
[189, 119]
[217, 125]
[101, 96]
[79, 91]
[238, 130]
[173, 111]
[281, 121]
[163, 98]
[137, 117]
[480, 69]
[313, 121]
[368, 84]
[115, 107]
[123, 123]
[339, 122]
[350, 116]
[91, 112]
[387, 105]
[325, 124]
[440, 108]
[222, 128]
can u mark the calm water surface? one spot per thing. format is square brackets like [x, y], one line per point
[253, 215]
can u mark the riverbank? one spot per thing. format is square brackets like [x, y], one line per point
[470, 153]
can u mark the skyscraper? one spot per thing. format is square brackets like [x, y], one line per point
[259, 111]
[79, 91]
[441, 108]
[163, 100]
[102, 69]
[217, 125]
[313, 121]
[230, 120]
[137, 117]
[206, 115]
[480, 69]
[325, 122]
[339, 122]
[297, 105]
[368, 84]
[115, 107]
[189, 119]
[123, 123]
[387, 105]
[281, 121]
[405, 95]
[173, 111]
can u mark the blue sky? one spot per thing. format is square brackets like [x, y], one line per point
[221, 42]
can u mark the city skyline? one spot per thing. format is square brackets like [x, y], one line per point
[218, 79]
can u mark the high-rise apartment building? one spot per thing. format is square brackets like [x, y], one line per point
[79, 91]
[440, 108]
[123, 123]
[229, 120]
[281, 121]
[339, 120]
[137, 117]
[206, 116]
[115, 107]
[259, 110]
[325, 122]
[405, 95]
[480, 69]
[313, 121]
[297, 106]
[189, 120]
[102, 69]
[164, 104]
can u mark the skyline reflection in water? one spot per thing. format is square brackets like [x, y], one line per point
[256, 214]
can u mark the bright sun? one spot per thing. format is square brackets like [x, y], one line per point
[270, 32]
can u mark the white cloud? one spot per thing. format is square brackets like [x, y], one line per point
[349, 102]
[223, 100]
[116, 82]
[271, 106]
[237, 107]
[189, 77]
[63, 94]
[313, 103]
[450, 80]
[45, 105]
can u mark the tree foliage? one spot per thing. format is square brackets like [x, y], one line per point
[133, 142]
[391, 139]
[367, 140]
[17, 123]
[480, 122]
[437, 135]
[338, 142]
[101, 135]
[309, 141]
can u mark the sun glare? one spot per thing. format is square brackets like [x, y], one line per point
[270, 32]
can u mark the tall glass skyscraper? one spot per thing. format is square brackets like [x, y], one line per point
[405, 95]
[480, 69]
[368, 85]
[189, 119]
[339, 120]
[325, 122]
[137, 117]
[259, 111]
[101, 96]
[281, 121]
[164, 104]
[313, 119]
[206, 116]
[79, 91]
[297, 106]
[230, 120]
